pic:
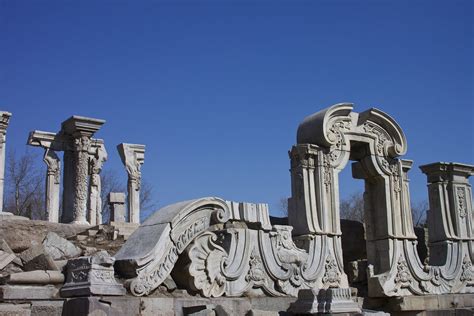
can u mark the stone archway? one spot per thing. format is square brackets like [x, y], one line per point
[326, 141]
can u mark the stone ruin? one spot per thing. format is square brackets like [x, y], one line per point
[210, 256]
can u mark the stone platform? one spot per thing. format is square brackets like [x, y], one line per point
[448, 304]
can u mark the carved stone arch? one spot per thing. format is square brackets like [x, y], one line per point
[373, 140]
[326, 142]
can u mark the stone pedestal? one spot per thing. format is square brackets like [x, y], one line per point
[4, 120]
[332, 300]
[117, 207]
[133, 156]
[91, 276]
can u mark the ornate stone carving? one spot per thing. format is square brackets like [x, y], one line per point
[177, 226]
[467, 274]
[403, 277]
[91, 276]
[461, 196]
[53, 176]
[98, 156]
[233, 255]
[133, 156]
[331, 276]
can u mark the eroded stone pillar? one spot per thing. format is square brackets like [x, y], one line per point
[80, 129]
[53, 176]
[450, 218]
[97, 159]
[133, 156]
[117, 207]
[4, 120]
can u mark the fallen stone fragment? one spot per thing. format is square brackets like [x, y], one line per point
[5, 247]
[28, 292]
[5, 259]
[36, 277]
[91, 276]
[61, 264]
[35, 258]
[60, 248]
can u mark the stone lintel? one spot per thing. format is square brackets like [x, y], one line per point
[81, 126]
[55, 141]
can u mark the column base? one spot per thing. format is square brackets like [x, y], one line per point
[332, 300]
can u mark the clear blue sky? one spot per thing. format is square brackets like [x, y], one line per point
[217, 90]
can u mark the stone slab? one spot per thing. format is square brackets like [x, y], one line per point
[5, 247]
[5, 258]
[47, 308]
[26, 292]
[420, 303]
[15, 310]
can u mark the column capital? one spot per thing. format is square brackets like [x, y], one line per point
[133, 156]
[80, 126]
[447, 171]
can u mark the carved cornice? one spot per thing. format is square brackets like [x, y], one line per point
[336, 126]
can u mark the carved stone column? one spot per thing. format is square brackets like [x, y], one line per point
[450, 218]
[133, 156]
[53, 176]
[4, 120]
[81, 130]
[97, 159]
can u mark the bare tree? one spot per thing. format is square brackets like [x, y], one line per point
[419, 211]
[283, 206]
[25, 185]
[352, 208]
[111, 182]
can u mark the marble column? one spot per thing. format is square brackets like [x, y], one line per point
[4, 120]
[81, 129]
[53, 175]
[133, 156]
[98, 156]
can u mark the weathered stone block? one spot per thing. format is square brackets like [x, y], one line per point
[36, 277]
[157, 306]
[47, 308]
[91, 276]
[60, 248]
[5, 259]
[27, 292]
[35, 258]
[15, 310]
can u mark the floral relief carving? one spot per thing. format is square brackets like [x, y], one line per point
[461, 195]
[332, 277]
[467, 274]
[403, 277]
